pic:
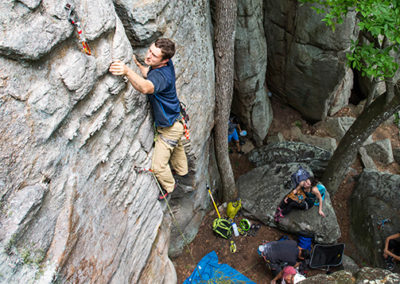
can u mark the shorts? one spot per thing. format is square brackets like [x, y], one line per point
[234, 135]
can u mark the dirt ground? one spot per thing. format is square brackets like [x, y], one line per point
[246, 259]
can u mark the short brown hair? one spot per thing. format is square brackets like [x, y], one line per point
[167, 47]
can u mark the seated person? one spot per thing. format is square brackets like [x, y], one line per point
[279, 254]
[288, 275]
[392, 250]
[315, 194]
[232, 133]
[308, 193]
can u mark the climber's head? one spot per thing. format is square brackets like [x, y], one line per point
[160, 52]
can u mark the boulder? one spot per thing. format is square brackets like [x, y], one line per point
[336, 127]
[76, 141]
[366, 160]
[349, 264]
[374, 207]
[396, 155]
[326, 143]
[380, 151]
[364, 275]
[250, 100]
[306, 59]
[263, 188]
[289, 152]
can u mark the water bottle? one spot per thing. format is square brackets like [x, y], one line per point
[235, 229]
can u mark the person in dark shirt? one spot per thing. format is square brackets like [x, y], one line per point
[158, 82]
[279, 254]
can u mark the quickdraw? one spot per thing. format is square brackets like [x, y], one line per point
[185, 119]
[72, 18]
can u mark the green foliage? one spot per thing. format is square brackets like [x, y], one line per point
[397, 119]
[378, 18]
[32, 256]
[10, 244]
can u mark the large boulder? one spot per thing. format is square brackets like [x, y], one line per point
[77, 204]
[289, 152]
[306, 59]
[263, 188]
[250, 100]
[364, 275]
[375, 213]
[380, 151]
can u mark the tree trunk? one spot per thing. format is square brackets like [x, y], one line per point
[224, 39]
[346, 152]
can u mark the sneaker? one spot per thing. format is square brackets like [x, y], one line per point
[163, 196]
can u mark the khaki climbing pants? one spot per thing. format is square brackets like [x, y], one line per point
[169, 149]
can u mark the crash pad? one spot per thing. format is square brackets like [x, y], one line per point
[208, 268]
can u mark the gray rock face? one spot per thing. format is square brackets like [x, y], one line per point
[287, 152]
[380, 151]
[336, 126]
[364, 275]
[250, 101]
[263, 188]
[396, 155]
[375, 201]
[306, 60]
[73, 205]
[326, 143]
[366, 159]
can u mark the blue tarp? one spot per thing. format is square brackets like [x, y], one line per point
[210, 270]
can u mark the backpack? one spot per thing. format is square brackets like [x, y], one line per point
[222, 228]
[300, 175]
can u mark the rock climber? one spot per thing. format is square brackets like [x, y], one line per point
[158, 82]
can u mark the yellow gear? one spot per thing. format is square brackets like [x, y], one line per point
[233, 247]
[233, 208]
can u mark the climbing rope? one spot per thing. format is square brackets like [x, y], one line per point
[218, 278]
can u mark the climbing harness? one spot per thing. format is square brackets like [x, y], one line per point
[72, 18]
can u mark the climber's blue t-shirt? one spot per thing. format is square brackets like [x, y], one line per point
[164, 100]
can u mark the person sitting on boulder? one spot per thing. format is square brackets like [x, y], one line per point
[315, 194]
[308, 193]
[392, 250]
[294, 200]
[279, 254]
[289, 275]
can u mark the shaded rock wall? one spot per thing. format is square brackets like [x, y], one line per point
[306, 60]
[375, 199]
[250, 101]
[71, 135]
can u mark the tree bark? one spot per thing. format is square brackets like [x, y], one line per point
[372, 116]
[224, 39]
